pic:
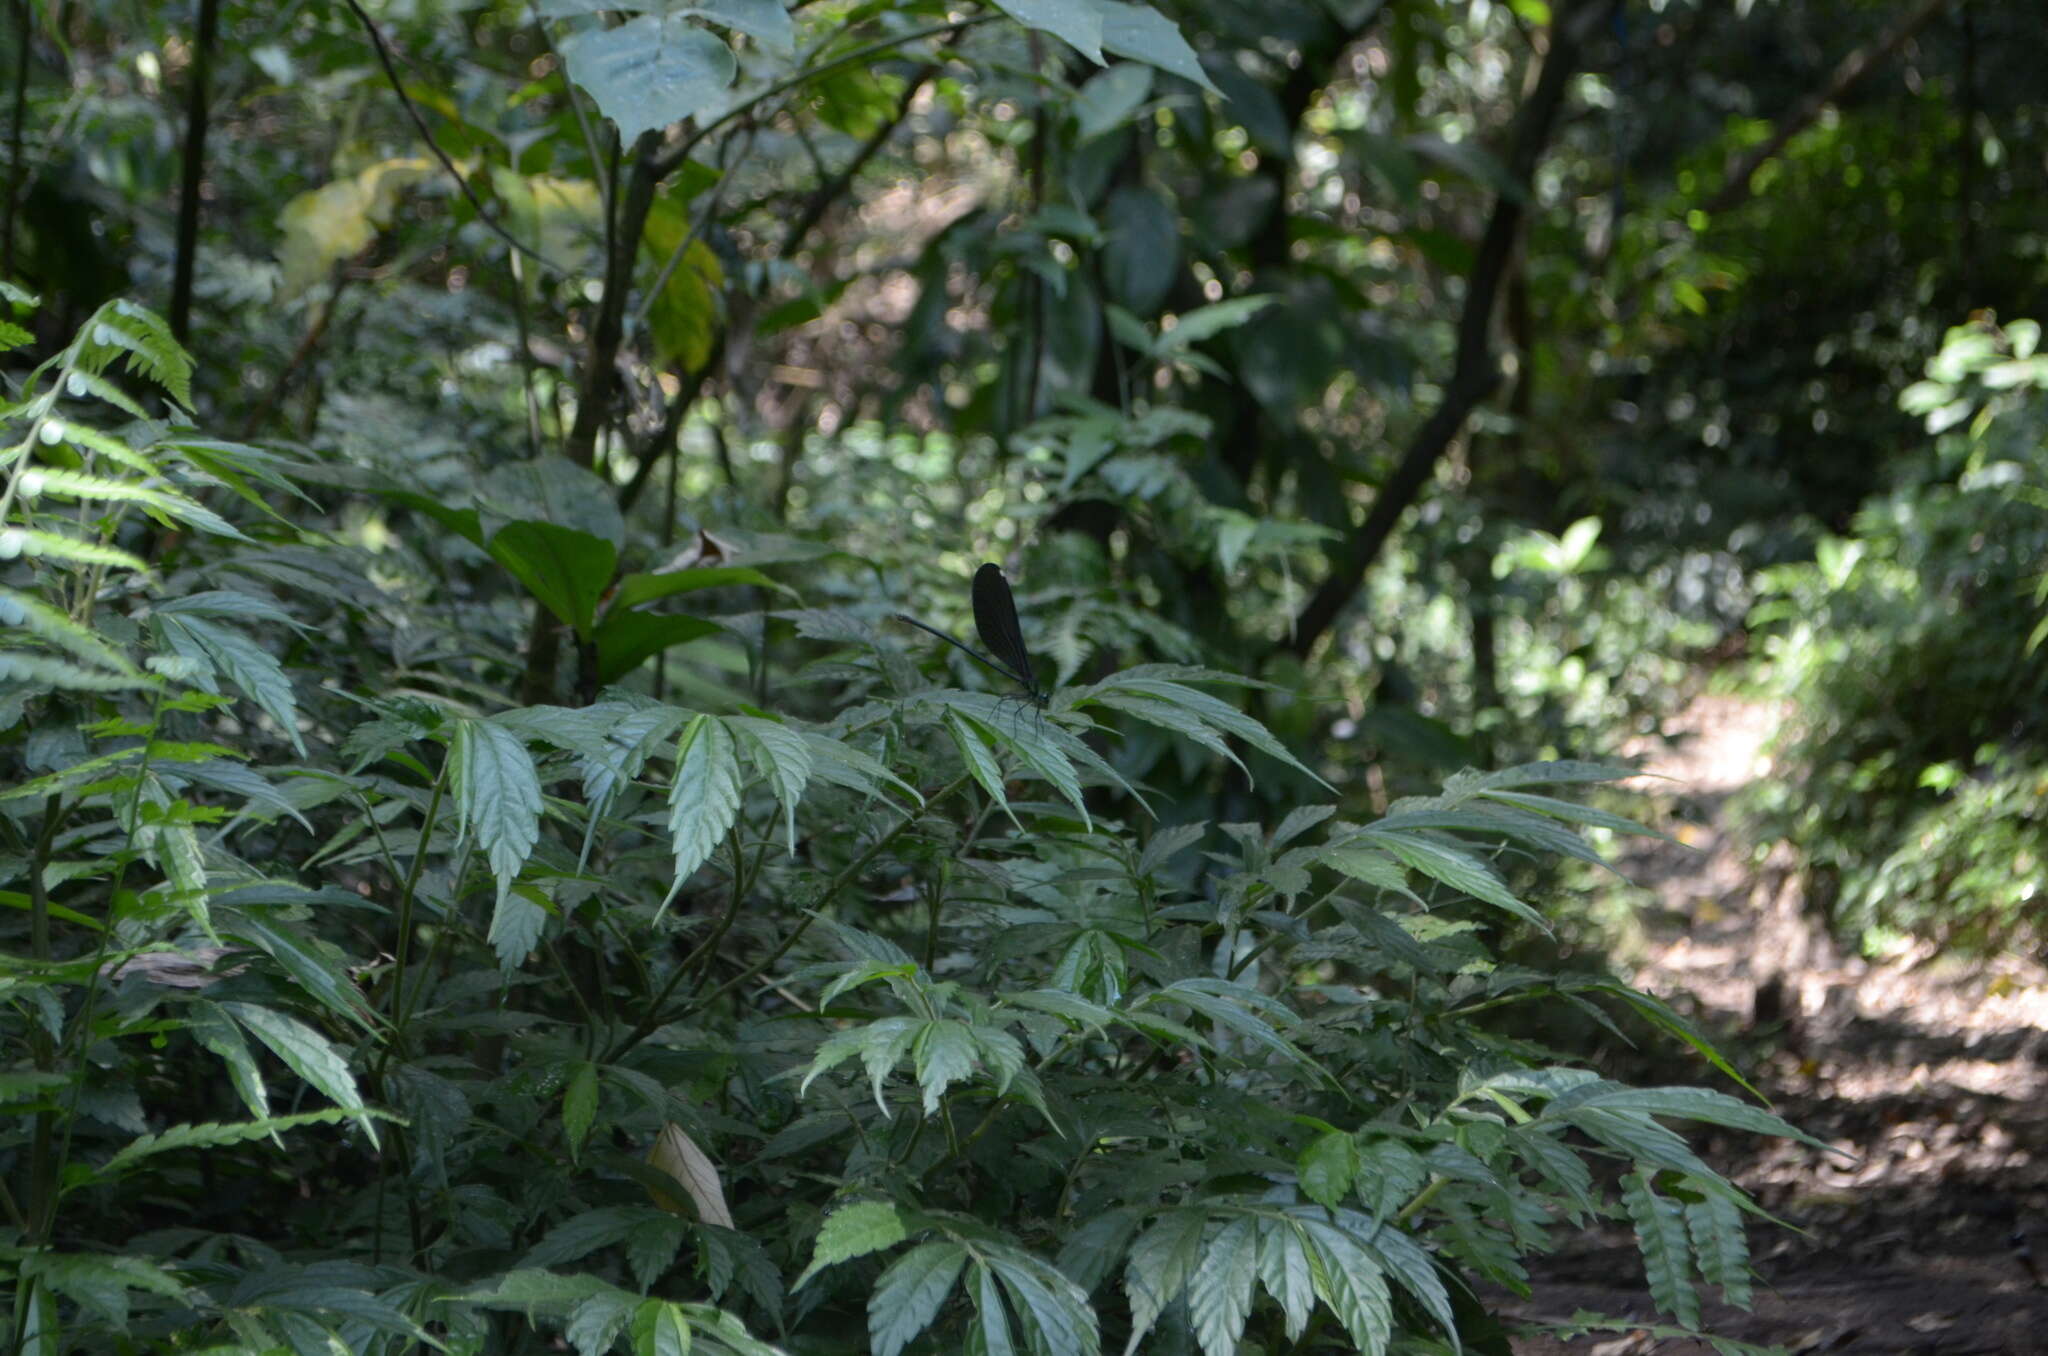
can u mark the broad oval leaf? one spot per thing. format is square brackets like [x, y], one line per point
[649, 72]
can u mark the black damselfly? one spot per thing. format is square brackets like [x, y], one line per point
[995, 618]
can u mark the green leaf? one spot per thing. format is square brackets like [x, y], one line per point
[972, 741]
[704, 798]
[306, 1053]
[782, 757]
[626, 640]
[841, 764]
[649, 72]
[534, 1290]
[1327, 1167]
[660, 1328]
[1695, 1104]
[1667, 1258]
[213, 1135]
[1351, 1283]
[567, 570]
[907, 1297]
[854, 1231]
[517, 922]
[1286, 1274]
[37, 545]
[996, 1336]
[1077, 23]
[879, 1044]
[1206, 322]
[213, 1029]
[100, 1283]
[1110, 97]
[1241, 1009]
[1052, 1307]
[597, 1322]
[636, 590]
[579, 1105]
[497, 797]
[1720, 1244]
[1160, 1264]
[767, 20]
[1220, 1297]
[46, 622]
[1144, 34]
[1456, 868]
[124, 328]
[250, 667]
[944, 1052]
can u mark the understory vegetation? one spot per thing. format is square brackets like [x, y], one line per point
[485, 865]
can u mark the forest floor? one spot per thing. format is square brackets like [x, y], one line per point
[1930, 1077]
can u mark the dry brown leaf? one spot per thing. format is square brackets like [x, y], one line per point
[676, 1154]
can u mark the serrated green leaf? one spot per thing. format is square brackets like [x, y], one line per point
[981, 764]
[1327, 1167]
[497, 797]
[214, 1135]
[579, 1105]
[306, 1053]
[1456, 868]
[1667, 1258]
[240, 660]
[39, 545]
[944, 1052]
[1351, 1283]
[1285, 1273]
[907, 1297]
[704, 798]
[1052, 1307]
[1161, 1262]
[1220, 1297]
[854, 1231]
[1721, 1245]
[782, 757]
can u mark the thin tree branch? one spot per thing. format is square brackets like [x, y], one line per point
[17, 169]
[1475, 371]
[825, 194]
[669, 162]
[426, 134]
[1735, 188]
[196, 97]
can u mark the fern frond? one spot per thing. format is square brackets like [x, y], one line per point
[1667, 1253]
[1721, 1244]
[21, 667]
[123, 328]
[58, 629]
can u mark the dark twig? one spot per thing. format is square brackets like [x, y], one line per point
[825, 194]
[1735, 187]
[17, 169]
[1475, 371]
[196, 96]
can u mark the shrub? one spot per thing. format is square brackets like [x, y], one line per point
[353, 1007]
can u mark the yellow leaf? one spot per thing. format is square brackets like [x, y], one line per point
[336, 221]
[684, 318]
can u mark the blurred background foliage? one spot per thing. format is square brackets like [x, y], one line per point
[1491, 374]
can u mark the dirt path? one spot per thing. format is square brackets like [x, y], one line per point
[1933, 1076]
